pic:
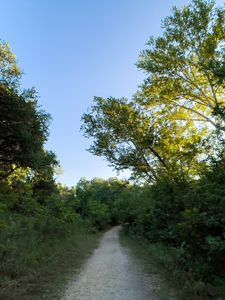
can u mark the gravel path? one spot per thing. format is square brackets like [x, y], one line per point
[112, 273]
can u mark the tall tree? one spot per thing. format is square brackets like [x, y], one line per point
[23, 125]
[185, 66]
[167, 126]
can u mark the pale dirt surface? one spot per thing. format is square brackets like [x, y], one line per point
[111, 273]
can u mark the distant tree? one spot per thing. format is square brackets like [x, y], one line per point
[42, 177]
[96, 200]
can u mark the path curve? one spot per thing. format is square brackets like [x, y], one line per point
[112, 273]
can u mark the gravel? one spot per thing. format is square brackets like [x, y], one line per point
[112, 273]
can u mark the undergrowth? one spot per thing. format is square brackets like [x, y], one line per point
[168, 260]
[34, 252]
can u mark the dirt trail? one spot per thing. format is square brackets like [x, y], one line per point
[112, 273]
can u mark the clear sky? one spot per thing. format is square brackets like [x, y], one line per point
[73, 50]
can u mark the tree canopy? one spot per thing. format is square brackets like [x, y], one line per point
[176, 118]
[185, 66]
[23, 124]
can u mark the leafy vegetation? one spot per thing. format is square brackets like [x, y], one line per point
[39, 218]
[170, 135]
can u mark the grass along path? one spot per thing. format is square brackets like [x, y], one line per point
[46, 280]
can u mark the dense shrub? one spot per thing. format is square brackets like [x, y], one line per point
[187, 216]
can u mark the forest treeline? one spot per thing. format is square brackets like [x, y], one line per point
[170, 135]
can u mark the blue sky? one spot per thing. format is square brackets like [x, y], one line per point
[73, 50]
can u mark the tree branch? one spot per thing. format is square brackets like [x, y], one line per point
[9, 173]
